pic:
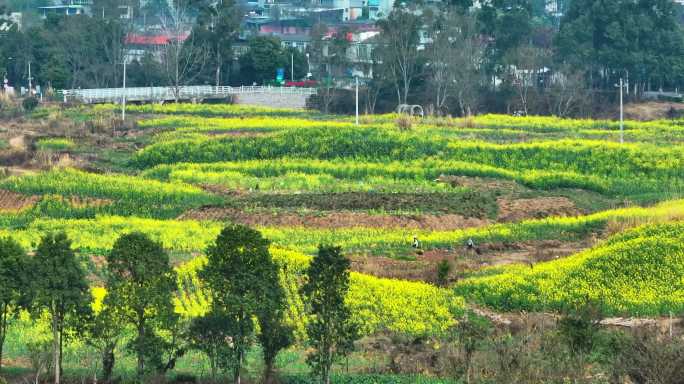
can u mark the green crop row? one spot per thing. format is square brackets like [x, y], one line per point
[377, 304]
[107, 193]
[349, 174]
[217, 124]
[97, 235]
[55, 144]
[509, 129]
[630, 168]
[209, 110]
[638, 273]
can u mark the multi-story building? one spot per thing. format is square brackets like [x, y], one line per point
[293, 32]
[67, 8]
[9, 21]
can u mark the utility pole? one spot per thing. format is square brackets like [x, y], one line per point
[622, 113]
[123, 93]
[357, 100]
[29, 79]
[292, 62]
[308, 67]
[622, 110]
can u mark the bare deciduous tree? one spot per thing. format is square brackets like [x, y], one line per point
[652, 358]
[399, 49]
[183, 57]
[566, 92]
[455, 58]
[524, 65]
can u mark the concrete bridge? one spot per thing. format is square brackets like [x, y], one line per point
[279, 97]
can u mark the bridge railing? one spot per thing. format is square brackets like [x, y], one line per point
[101, 95]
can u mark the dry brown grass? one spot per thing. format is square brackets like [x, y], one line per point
[468, 122]
[404, 122]
[651, 110]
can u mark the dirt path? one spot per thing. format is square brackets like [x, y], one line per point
[423, 267]
[17, 143]
[511, 319]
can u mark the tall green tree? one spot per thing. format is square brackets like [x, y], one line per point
[264, 56]
[60, 288]
[208, 334]
[103, 331]
[454, 59]
[641, 40]
[508, 23]
[330, 329]
[399, 50]
[140, 285]
[13, 283]
[274, 334]
[216, 28]
[239, 273]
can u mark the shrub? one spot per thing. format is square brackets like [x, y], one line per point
[29, 104]
[443, 270]
[55, 144]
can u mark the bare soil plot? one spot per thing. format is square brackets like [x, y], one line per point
[12, 201]
[335, 219]
[512, 210]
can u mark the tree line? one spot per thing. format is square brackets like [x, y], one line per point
[247, 304]
[451, 57]
[506, 56]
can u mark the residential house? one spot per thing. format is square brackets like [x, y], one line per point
[140, 44]
[67, 8]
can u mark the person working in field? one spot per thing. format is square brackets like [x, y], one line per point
[417, 245]
[470, 246]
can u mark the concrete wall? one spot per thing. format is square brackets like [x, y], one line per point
[275, 100]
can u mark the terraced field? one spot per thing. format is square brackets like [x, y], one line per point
[558, 211]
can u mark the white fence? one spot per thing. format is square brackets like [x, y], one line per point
[160, 94]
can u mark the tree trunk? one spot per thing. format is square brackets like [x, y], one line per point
[214, 364]
[237, 342]
[141, 337]
[108, 361]
[3, 330]
[268, 371]
[469, 359]
[61, 354]
[218, 70]
[236, 373]
[326, 373]
[177, 79]
[56, 342]
[327, 358]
